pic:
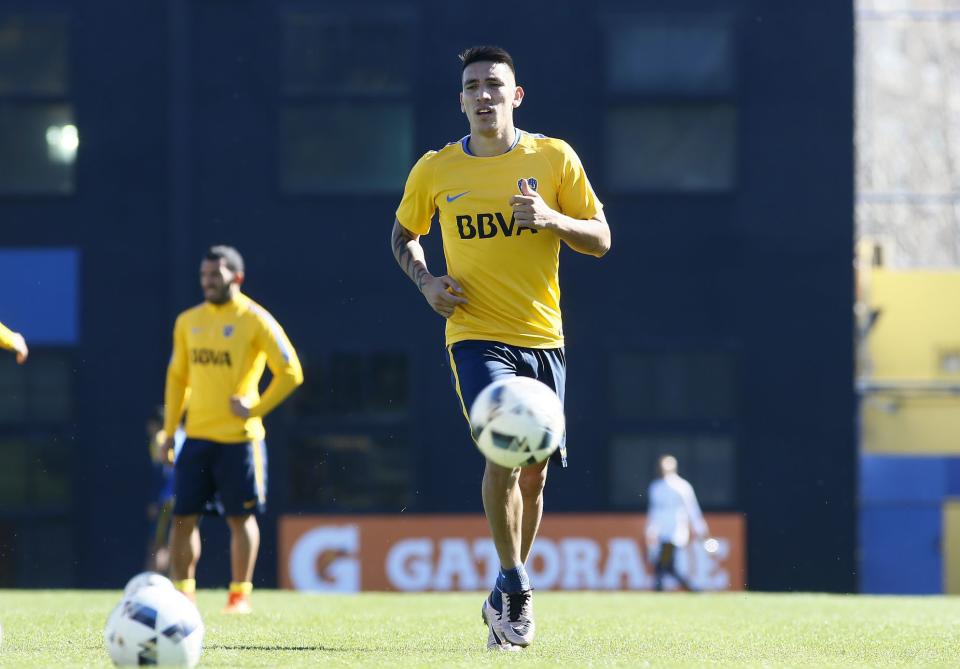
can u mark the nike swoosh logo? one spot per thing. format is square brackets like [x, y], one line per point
[457, 197]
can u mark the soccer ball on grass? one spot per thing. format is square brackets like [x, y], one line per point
[144, 579]
[156, 625]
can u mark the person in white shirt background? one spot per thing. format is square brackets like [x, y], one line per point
[672, 515]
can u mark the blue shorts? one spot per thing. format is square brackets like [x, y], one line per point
[234, 473]
[476, 364]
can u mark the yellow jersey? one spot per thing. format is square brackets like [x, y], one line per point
[220, 351]
[509, 275]
[6, 337]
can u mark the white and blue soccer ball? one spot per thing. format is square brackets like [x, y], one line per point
[517, 421]
[143, 579]
[155, 626]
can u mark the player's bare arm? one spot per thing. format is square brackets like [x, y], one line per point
[590, 236]
[442, 293]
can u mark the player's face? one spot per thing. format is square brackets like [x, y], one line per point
[216, 280]
[489, 96]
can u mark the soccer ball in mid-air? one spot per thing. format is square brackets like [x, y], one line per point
[144, 579]
[155, 626]
[517, 421]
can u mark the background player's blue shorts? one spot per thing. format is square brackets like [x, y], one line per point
[476, 364]
[236, 473]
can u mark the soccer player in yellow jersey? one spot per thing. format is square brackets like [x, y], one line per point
[220, 349]
[14, 341]
[506, 200]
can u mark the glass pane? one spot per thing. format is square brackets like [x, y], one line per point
[14, 474]
[39, 145]
[687, 148]
[675, 54]
[13, 394]
[674, 386]
[50, 388]
[346, 381]
[346, 147]
[41, 391]
[388, 390]
[355, 385]
[35, 473]
[353, 472]
[329, 53]
[51, 475]
[715, 474]
[708, 462]
[33, 54]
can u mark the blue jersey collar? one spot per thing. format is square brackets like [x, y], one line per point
[465, 143]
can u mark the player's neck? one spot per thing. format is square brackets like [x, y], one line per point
[495, 144]
[230, 299]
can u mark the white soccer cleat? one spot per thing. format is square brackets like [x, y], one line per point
[495, 639]
[516, 621]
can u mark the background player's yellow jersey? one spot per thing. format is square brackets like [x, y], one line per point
[6, 337]
[220, 351]
[509, 275]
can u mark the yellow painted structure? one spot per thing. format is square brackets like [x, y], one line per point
[910, 367]
[951, 546]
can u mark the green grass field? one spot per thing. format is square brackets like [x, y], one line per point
[64, 629]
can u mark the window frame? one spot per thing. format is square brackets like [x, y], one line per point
[402, 15]
[654, 98]
[37, 99]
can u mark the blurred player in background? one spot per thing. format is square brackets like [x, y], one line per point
[220, 349]
[507, 199]
[14, 341]
[672, 513]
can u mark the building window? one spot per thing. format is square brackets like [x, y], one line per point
[708, 461]
[37, 399]
[357, 386]
[346, 126]
[684, 403]
[38, 135]
[351, 449]
[671, 118]
[345, 147]
[40, 392]
[674, 386]
[671, 147]
[368, 469]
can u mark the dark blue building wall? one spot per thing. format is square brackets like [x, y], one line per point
[178, 108]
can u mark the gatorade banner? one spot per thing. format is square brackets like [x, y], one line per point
[419, 553]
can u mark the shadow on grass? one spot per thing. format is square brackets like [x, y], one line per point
[328, 649]
[265, 647]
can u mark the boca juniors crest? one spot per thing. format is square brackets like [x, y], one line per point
[530, 180]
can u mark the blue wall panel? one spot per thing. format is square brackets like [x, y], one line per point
[900, 549]
[39, 294]
[896, 478]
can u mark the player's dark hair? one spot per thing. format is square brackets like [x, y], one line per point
[229, 255]
[487, 54]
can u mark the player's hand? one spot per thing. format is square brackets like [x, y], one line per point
[240, 406]
[166, 451]
[530, 211]
[20, 347]
[443, 294]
